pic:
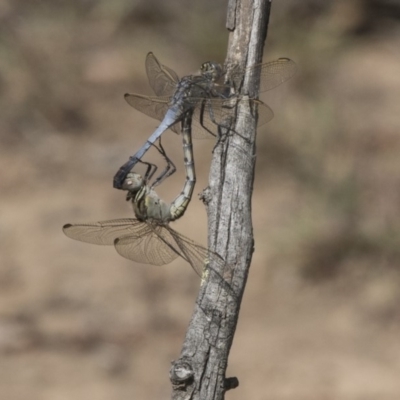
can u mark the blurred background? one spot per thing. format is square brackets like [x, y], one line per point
[321, 313]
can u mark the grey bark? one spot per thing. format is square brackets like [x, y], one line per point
[199, 373]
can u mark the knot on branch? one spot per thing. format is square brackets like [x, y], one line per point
[181, 373]
[205, 196]
[231, 383]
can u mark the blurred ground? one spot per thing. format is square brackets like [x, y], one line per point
[321, 313]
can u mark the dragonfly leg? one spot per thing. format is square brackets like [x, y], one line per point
[168, 170]
[227, 125]
[205, 108]
[220, 138]
[202, 109]
[150, 171]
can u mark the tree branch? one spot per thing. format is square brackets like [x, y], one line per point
[200, 371]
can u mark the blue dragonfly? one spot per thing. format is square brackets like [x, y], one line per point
[212, 101]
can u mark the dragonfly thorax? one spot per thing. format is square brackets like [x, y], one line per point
[148, 206]
[189, 91]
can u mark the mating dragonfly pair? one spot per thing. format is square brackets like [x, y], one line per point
[195, 105]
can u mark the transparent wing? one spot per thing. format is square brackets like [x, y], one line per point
[265, 113]
[144, 242]
[104, 232]
[272, 74]
[161, 245]
[154, 107]
[195, 254]
[211, 113]
[162, 79]
[208, 113]
[204, 261]
[155, 247]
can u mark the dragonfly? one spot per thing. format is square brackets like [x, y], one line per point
[148, 238]
[212, 101]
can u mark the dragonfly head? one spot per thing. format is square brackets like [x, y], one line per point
[133, 182]
[211, 70]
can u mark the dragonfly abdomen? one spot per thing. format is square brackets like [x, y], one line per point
[180, 204]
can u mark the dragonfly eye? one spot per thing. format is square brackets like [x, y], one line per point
[205, 66]
[211, 70]
[133, 182]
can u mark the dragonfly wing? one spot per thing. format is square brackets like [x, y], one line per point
[148, 248]
[276, 72]
[272, 73]
[195, 254]
[204, 261]
[211, 113]
[154, 107]
[265, 113]
[162, 79]
[206, 119]
[103, 232]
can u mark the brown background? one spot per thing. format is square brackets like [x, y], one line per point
[321, 314]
